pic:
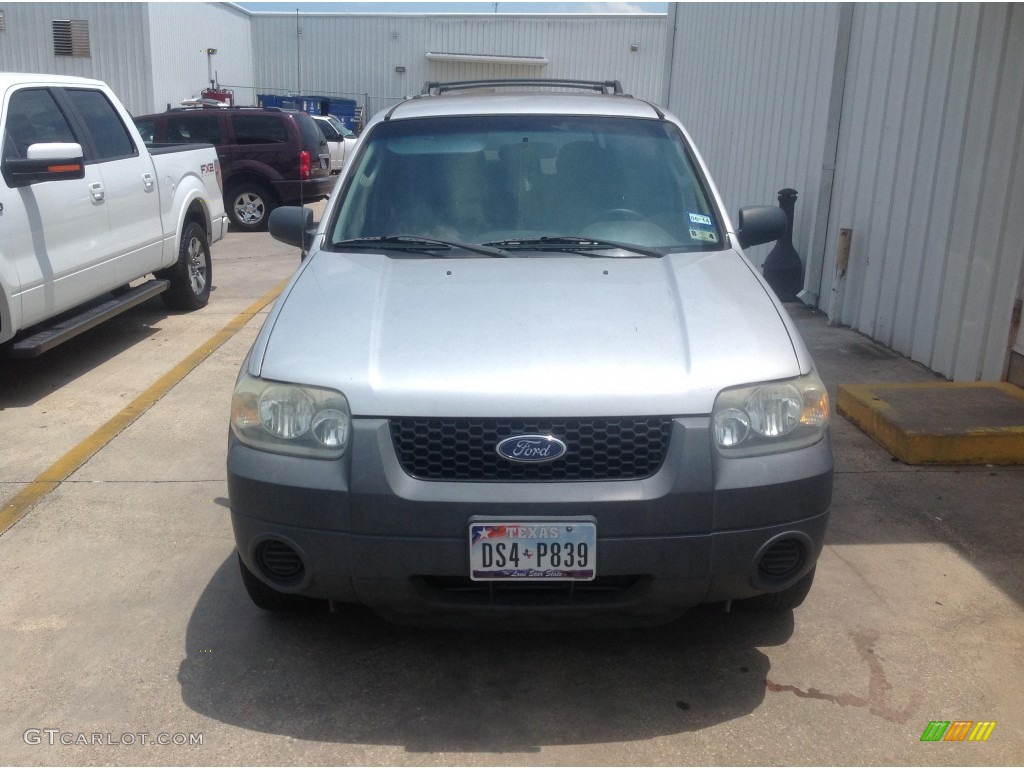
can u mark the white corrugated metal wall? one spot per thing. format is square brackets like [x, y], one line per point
[355, 55]
[927, 171]
[929, 178]
[180, 33]
[118, 43]
[752, 84]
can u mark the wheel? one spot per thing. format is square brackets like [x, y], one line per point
[249, 205]
[269, 599]
[191, 274]
[779, 602]
[619, 214]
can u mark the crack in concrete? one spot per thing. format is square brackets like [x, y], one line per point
[877, 700]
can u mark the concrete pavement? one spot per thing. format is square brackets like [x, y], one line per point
[122, 612]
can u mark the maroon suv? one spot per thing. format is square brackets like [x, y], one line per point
[269, 156]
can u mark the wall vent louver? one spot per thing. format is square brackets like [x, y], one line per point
[71, 37]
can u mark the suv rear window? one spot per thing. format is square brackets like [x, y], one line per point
[182, 129]
[311, 136]
[259, 129]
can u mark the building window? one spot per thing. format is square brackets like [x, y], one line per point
[70, 37]
[3, 23]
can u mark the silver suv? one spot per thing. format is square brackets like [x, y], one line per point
[527, 375]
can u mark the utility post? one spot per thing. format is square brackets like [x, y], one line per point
[210, 53]
[298, 57]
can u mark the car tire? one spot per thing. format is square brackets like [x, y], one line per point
[249, 205]
[192, 274]
[779, 602]
[269, 599]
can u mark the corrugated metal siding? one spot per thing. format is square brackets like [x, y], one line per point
[929, 178]
[180, 33]
[118, 41]
[355, 55]
[751, 82]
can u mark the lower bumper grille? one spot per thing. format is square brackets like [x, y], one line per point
[602, 590]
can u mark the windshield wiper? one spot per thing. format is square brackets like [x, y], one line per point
[413, 243]
[572, 244]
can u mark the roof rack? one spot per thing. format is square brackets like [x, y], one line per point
[233, 108]
[434, 88]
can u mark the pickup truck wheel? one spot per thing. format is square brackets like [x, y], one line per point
[249, 206]
[191, 274]
[269, 599]
[778, 602]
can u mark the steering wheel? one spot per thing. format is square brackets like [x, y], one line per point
[619, 214]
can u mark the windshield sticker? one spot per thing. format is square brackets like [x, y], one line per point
[707, 235]
[700, 218]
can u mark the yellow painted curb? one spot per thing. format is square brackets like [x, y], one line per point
[75, 458]
[870, 407]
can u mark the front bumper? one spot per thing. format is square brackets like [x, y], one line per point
[367, 532]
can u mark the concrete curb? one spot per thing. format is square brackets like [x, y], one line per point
[940, 422]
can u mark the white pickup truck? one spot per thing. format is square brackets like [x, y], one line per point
[86, 210]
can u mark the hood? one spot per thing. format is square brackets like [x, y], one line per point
[566, 336]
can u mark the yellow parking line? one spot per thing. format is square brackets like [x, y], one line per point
[73, 460]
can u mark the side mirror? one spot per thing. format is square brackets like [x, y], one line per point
[760, 224]
[50, 161]
[293, 225]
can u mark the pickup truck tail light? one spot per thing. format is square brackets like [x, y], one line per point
[304, 165]
[220, 177]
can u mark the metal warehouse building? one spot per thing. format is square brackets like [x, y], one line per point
[155, 54]
[151, 54]
[901, 126]
[903, 123]
[378, 59]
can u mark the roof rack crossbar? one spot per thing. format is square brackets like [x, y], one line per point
[434, 88]
[233, 108]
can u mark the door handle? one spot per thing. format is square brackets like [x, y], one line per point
[96, 190]
[147, 182]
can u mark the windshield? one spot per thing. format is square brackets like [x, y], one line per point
[328, 130]
[514, 179]
[340, 127]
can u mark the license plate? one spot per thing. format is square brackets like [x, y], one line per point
[537, 549]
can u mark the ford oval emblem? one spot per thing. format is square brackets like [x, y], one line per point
[531, 449]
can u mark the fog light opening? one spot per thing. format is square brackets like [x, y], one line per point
[782, 561]
[280, 562]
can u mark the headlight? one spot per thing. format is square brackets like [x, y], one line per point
[290, 419]
[770, 418]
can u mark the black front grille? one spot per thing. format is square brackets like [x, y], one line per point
[626, 448]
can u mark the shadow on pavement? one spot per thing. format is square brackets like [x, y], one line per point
[351, 677]
[23, 382]
[879, 500]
